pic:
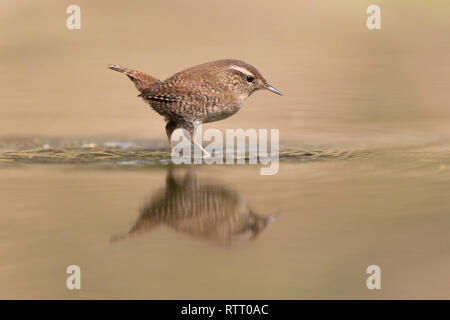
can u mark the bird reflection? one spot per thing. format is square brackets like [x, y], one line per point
[210, 212]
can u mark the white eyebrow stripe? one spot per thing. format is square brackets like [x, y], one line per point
[243, 70]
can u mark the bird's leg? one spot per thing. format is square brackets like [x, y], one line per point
[170, 128]
[200, 147]
[191, 131]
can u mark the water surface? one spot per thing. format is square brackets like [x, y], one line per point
[165, 232]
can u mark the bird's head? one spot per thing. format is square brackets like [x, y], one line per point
[241, 78]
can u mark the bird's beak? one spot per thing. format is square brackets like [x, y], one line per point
[269, 87]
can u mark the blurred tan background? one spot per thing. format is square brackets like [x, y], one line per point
[342, 82]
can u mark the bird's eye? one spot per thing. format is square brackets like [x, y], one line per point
[250, 78]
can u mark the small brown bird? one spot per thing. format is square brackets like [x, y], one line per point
[208, 92]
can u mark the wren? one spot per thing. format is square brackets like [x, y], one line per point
[207, 92]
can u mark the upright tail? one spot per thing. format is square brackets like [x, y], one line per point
[141, 80]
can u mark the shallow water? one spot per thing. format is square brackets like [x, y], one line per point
[135, 153]
[160, 231]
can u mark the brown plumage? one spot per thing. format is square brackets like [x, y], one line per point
[208, 92]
